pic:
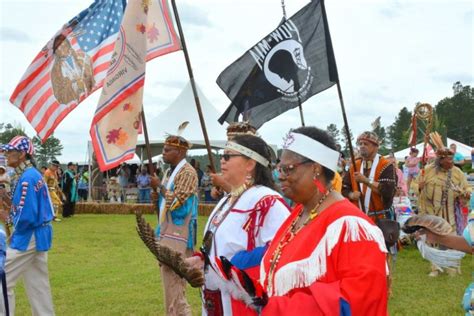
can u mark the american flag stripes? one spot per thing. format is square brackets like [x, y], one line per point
[71, 66]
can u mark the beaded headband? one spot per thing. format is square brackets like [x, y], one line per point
[248, 152]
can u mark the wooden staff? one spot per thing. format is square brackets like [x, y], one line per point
[151, 168]
[193, 85]
[341, 100]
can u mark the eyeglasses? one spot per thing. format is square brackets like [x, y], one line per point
[287, 169]
[227, 157]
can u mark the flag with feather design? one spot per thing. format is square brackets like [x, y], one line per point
[146, 31]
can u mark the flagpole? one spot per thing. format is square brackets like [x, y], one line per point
[300, 106]
[341, 100]
[193, 85]
[151, 170]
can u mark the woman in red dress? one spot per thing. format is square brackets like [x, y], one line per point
[328, 258]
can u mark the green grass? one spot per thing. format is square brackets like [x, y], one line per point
[99, 266]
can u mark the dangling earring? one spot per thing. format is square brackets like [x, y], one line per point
[249, 180]
[321, 188]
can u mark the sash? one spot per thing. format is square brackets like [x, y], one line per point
[168, 183]
[368, 191]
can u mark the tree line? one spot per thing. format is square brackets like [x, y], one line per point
[452, 116]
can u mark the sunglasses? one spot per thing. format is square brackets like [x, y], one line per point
[227, 157]
[287, 169]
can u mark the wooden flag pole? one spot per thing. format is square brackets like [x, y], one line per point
[341, 100]
[193, 85]
[151, 168]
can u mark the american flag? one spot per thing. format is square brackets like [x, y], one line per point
[71, 66]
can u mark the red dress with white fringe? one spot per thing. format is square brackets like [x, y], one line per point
[334, 264]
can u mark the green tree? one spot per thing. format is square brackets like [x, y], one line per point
[398, 132]
[334, 132]
[8, 131]
[345, 150]
[457, 113]
[47, 151]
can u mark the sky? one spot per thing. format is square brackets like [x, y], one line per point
[390, 54]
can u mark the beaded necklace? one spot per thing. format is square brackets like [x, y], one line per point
[220, 215]
[289, 235]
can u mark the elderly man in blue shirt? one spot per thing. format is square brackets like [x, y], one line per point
[30, 216]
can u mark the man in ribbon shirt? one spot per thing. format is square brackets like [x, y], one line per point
[30, 215]
[177, 205]
[373, 182]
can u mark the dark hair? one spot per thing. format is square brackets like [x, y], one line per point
[263, 175]
[324, 138]
[31, 159]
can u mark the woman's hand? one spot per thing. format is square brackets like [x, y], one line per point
[195, 262]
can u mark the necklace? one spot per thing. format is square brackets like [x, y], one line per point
[289, 235]
[237, 192]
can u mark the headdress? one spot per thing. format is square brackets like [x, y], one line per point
[444, 152]
[240, 128]
[177, 140]
[369, 137]
[20, 143]
[312, 149]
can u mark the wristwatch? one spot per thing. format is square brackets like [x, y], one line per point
[370, 182]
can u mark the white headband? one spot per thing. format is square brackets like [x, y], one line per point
[248, 152]
[312, 149]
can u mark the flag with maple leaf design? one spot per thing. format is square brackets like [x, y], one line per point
[146, 32]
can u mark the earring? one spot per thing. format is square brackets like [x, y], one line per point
[321, 188]
[249, 180]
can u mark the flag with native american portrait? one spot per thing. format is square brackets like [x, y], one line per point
[71, 66]
[283, 70]
[146, 32]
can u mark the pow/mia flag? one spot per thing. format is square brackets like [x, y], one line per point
[287, 67]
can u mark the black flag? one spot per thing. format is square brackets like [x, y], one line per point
[284, 69]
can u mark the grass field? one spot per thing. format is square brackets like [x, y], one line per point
[99, 266]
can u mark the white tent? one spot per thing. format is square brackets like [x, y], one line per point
[184, 109]
[464, 149]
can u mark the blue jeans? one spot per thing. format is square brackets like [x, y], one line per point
[144, 195]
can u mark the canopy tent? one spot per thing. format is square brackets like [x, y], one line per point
[156, 146]
[183, 109]
[464, 149]
[136, 159]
